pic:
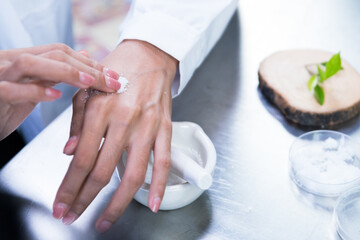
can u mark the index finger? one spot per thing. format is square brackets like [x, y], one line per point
[32, 66]
[82, 163]
[104, 79]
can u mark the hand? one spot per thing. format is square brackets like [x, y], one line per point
[138, 121]
[28, 75]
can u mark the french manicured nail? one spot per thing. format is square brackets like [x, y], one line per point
[111, 73]
[68, 149]
[53, 93]
[86, 78]
[103, 226]
[84, 53]
[59, 210]
[155, 204]
[112, 83]
[69, 218]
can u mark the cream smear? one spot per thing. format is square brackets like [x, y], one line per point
[124, 84]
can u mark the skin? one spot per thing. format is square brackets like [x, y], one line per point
[137, 121]
[28, 75]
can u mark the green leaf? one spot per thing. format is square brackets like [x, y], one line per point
[313, 81]
[333, 66]
[330, 69]
[319, 94]
[322, 74]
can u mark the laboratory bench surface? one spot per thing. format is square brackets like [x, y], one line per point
[252, 196]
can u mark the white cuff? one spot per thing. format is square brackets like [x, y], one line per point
[185, 30]
[177, 41]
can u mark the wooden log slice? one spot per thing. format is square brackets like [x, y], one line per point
[283, 78]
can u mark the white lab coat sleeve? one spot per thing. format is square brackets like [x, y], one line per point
[185, 29]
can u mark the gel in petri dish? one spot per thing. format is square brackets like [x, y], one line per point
[347, 215]
[324, 162]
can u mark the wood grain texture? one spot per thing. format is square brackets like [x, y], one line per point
[283, 80]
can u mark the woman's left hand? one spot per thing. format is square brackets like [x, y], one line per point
[138, 121]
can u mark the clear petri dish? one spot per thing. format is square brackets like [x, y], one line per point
[346, 215]
[325, 162]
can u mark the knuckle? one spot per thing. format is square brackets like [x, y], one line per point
[62, 47]
[151, 105]
[94, 64]
[153, 112]
[153, 115]
[167, 125]
[57, 55]
[80, 206]
[23, 62]
[95, 73]
[37, 90]
[57, 45]
[74, 73]
[132, 111]
[164, 162]
[96, 104]
[135, 179]
[82, 165]
[65, 196]
[98, 66]
[101, 178]
[70, 70]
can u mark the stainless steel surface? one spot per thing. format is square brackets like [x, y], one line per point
[252, 196]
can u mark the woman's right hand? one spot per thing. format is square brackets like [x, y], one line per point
[27, 76]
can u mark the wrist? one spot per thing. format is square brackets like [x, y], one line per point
[132, 58]
[129, 54]
[153, 51]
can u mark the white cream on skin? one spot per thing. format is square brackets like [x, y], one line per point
[124, 84]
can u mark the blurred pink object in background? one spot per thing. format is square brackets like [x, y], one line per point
[96, 25]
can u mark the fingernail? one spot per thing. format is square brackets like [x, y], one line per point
[86, 78]
[53, 93]
[69, 218]
[59, 210]
[155, 204]
[84, 53]
[111, 73]
[68, 149]
[112, 83]
[103, 226]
